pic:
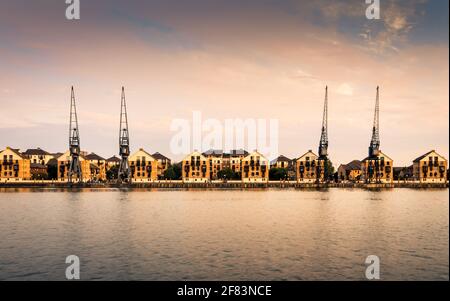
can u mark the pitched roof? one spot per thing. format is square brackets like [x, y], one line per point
[35, 151]
[238, 152]
[93, 156]
[263, 159]
[159, 156]
[426, 155]
[194, 153]
[213, 152]
[65, 155]
[280, 158]
[14, 150]
[144, 151]
[353, 165]
[113, 159]
[309, 151]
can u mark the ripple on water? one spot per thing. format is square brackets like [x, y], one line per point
[242, 235]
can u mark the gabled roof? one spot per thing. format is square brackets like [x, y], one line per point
[353, 165]
[159, 156]
[63, 156]
[35, 151]
[145, 152]
[426, 155]
[280, 158]
[194, 153]
[309, 151]
[14, 150]
[113, 159]
[94, 156]
[262, 157]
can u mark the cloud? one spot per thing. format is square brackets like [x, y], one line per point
[345, 89]
[301, 74]
[397, 19]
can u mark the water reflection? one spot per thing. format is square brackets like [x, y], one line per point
[224, 234]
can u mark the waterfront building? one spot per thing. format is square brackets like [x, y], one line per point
[195, 168]
[111, 162]
[430, 168]
[286, 163]
[236, 157]
[14, 165]
[403, 173]
[350, 171]
[163, 163]
[144, 168]
[280, 162]
[377, 168]
[38, 156]
[97, 167]
[64, 164]
[255, 168]
[233, 160]
[307, 168]
[38, 171]
[215, 158]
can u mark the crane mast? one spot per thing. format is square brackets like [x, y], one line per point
[374, 168]
[374, 148]
[124, 142]
[322, 166]
[74, 143]
[323, 145]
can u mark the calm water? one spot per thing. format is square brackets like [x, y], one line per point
[224, 235]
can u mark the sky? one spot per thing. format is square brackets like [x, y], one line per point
[227, 59]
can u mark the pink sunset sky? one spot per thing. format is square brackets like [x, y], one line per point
[227, 59]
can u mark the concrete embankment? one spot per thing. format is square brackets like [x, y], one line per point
[220, 185]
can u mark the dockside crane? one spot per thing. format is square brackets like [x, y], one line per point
[74, 143]
[374, 148]
[124, 142]
[323, 144]
[374, 168]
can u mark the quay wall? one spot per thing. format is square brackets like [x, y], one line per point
[218, 185]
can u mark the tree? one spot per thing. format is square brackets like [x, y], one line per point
[52, 172]
[276, 174]
[173, 172]
[111, 174]
[329, 170]
[229, 174]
